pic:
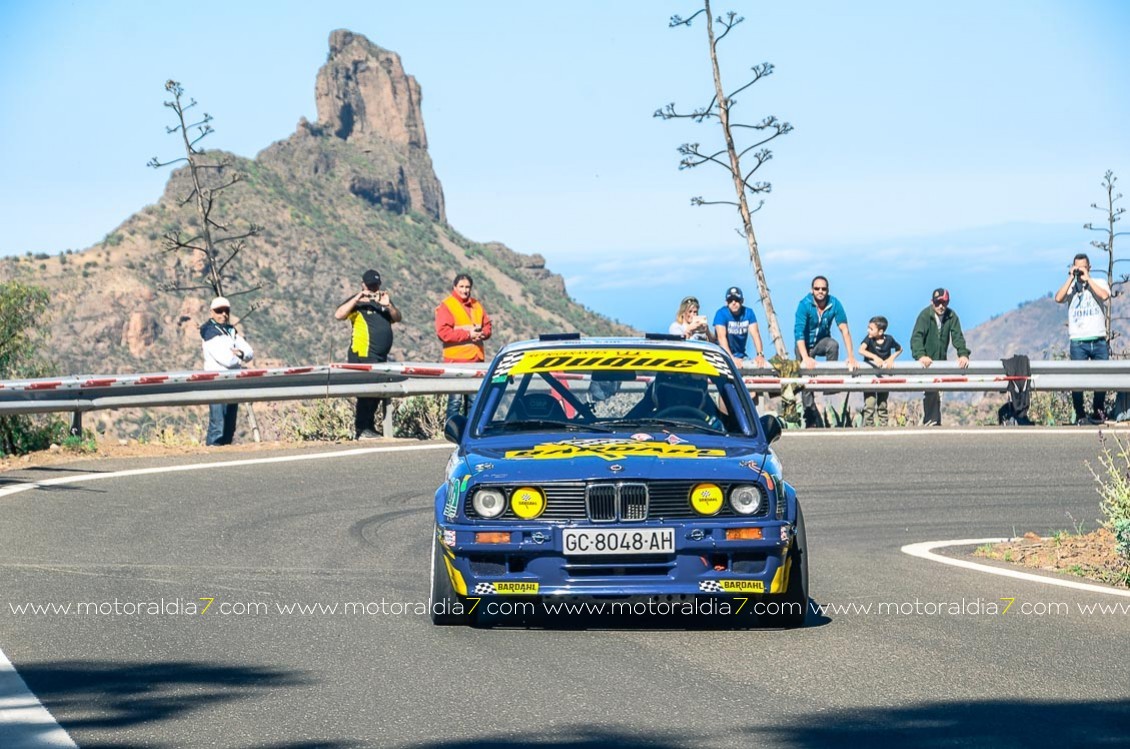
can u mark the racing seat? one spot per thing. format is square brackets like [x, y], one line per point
[673, 390]
[536, 407]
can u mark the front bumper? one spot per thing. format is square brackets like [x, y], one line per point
[533, 562]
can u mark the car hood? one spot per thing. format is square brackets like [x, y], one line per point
[569, 456]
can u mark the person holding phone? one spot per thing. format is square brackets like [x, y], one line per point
[462, 326]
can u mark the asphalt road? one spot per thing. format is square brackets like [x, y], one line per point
[258, 538]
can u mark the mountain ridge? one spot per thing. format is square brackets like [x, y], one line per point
[352, 191]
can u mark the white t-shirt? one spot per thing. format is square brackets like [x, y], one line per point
[677, 328]
[1085, 318]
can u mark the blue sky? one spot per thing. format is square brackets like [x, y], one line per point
[954, 144]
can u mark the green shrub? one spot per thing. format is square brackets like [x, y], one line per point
[1122, 538]
[1114, 488]
[1050, 408]
[21, 434]
[421, 416]
[22, 332]
[321, 420]
[84, 444]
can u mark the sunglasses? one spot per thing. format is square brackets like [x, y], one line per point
[941, 303]
[223, 311]
[819, 288]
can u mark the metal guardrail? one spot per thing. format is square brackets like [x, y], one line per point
[81, 393]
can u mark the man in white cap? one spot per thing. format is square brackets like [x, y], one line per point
[224, 349]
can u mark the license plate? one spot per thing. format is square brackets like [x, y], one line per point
[579, 541]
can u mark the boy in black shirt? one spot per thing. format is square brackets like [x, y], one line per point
[880, 350]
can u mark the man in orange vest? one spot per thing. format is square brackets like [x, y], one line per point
[462, 325]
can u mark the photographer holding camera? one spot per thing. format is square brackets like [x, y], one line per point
[372, 313]
[1086, 299]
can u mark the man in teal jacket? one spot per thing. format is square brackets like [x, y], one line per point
[816, 315]
[936, 327]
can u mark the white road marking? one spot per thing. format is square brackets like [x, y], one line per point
[24, 722]
[17, 488]
[925, 549]
[935, 431]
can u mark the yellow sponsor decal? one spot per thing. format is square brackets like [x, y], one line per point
[613, 450]
[742, 586]
[516, 589]
[781, 577]
[527, 502]
[455, 576]
[707, 499]
[571, 360]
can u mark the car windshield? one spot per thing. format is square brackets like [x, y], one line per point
[613, 390]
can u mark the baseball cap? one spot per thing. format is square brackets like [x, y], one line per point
[940, 295]
[220, 303]
[734, 293]
[372, 279]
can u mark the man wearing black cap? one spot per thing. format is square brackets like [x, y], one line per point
[372, 313]
[936, 327]
[734, 324]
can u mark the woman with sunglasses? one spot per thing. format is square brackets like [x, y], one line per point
[689, 324]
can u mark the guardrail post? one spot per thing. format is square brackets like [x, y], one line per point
[76, 424]
[390, 411]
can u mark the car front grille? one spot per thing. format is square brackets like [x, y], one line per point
[600, 503]
[597, 502]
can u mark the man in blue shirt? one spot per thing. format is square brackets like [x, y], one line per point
[815, 316]
[734, 324]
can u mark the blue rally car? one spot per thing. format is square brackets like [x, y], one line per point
[626, 469]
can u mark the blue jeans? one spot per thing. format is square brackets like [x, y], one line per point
[830, 350]
[1097, 350]
[221, 423]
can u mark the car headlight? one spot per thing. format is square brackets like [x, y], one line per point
[745, 499]
[706, 499]
[488, 503]
[527, 502]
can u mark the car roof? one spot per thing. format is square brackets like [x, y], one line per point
[613, 343]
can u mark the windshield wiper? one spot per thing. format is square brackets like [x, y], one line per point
[533, 424]
[676, 423]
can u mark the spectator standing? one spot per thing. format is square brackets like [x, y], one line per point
[224, 350]
[734, 325]
[936, 327]
[812, 331]
[689, 324]
[1086, 299]
[371, 313]
[462, 326]
[880, 351]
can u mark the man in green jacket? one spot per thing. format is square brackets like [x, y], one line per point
[936, 327]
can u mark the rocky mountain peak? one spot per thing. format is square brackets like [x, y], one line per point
[363, 90]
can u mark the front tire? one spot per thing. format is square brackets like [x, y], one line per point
[447, 608]
[794, 603]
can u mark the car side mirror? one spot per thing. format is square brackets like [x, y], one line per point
[772, 426]
[454, 428]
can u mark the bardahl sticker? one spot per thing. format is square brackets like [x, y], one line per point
[516, 589]
[742, 586]
[659, 360]
[613, 450]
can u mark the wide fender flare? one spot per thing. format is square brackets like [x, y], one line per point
[791, 504]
